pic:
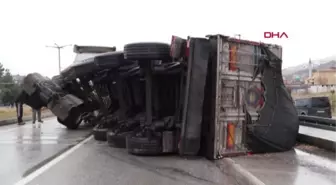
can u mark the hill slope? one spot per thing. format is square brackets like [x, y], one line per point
[303, 71]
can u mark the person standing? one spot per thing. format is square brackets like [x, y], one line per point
[38, 113]
[19, 108]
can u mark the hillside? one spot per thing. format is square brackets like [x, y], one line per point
[302, 70]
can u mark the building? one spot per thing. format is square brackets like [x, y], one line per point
[18, 79]
[322, 80]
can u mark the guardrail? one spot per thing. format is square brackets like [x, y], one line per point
[318, 122]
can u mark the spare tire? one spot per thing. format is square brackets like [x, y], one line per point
[147, 51]
[99, 133]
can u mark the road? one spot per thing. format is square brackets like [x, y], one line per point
[304, 165]
[26, 148]
[54, 155]
[96, 163]
[51, 154]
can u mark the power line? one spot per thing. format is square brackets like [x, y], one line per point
[58, 47]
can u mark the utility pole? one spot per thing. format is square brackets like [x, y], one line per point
[310, 68]
[58, 47]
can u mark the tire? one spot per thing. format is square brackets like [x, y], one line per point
[79, 70]
[111, 60]
[30, 81]
[59, 80]
[68, 110]
[35, 82]
[117, 140]
[72, 123]
[147, 51]
[99, 134]
[144, 145]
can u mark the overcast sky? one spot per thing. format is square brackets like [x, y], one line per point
[28, 26]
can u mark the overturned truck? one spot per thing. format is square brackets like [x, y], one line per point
[215, 96]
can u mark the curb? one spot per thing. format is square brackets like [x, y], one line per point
[319, 142]
[235, 170]
[26, 118]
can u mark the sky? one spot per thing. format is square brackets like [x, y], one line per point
[26, 27]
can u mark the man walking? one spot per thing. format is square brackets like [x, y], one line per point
[38, 113]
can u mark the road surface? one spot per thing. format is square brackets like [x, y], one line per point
[54, 155]
[51, 154]
[304, 165]
[26, 148]
[96, 163]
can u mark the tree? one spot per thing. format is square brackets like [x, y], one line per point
[2, 69]
[8, 88]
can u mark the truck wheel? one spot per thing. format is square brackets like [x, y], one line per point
[99, 133]
[59, 80]
[117, 140]
[72, 123]
[147, 51]
[111, 60]
[141, 145]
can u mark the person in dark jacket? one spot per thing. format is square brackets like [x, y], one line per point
[19, 107]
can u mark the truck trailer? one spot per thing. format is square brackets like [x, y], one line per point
[214, 96]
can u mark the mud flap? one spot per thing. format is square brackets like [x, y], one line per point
[278, 126]
[194, 94]
[169, 142]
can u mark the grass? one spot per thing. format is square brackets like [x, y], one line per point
[10, 112]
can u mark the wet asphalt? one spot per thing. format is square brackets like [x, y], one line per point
[305, 164]
[25, 148]
[302, 166]
[97, 163]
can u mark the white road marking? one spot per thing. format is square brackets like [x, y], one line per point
[45, 167]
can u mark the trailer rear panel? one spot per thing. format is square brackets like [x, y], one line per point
[238, 94]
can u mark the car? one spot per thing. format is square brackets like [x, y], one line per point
[314, 106]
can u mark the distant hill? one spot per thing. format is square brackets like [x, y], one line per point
[302, 70]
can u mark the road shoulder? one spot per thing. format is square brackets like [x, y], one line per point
[26, 118]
